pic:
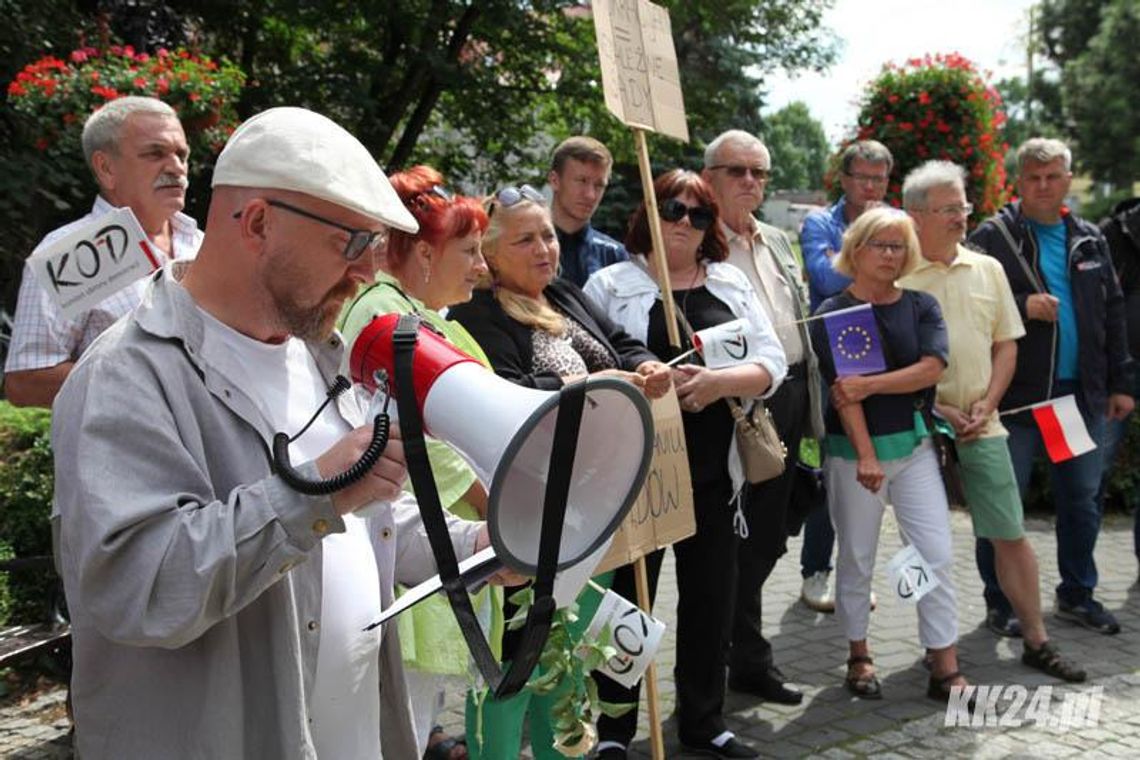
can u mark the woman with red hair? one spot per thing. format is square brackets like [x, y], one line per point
[426, 273]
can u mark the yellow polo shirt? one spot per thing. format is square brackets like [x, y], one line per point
[979, 310]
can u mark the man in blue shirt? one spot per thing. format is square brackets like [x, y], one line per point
[579, 173]
[1061, 274]
[865, 170]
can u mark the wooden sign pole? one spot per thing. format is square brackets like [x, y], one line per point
[640, 571]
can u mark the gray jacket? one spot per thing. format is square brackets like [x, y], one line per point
[192, 572]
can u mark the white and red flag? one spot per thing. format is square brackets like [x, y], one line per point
[1062, 428]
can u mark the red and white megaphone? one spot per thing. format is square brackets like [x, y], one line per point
[506, 434]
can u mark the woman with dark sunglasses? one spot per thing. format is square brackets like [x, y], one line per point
[708, 292]
[541, 331]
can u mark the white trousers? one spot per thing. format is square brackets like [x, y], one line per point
[913, 487]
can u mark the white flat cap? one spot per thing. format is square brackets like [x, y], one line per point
[300, 150]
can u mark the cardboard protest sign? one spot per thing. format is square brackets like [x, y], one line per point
[94, 262]
[911, 575]
[663, 512]
[635, 635]
[639, 66]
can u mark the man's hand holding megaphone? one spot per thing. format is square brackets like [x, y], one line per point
[383, 480]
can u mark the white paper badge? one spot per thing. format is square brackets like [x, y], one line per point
[911, 575]
[94, 262]
[633, 633]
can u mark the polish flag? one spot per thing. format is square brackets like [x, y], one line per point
[1063, 429]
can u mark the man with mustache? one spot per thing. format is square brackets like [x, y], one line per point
[579, 173]
[216, 611]
[984, 326]
[137, 151]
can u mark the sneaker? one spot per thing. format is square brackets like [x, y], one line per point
[1003, 623]
[816, 593]
[1090, 613]
[1048, 660]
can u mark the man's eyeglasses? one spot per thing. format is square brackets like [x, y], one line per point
[872, 179]
[883, 246]
[673, 210]
[511, 196]
[358, 240]
[953, 210]
[737, 171]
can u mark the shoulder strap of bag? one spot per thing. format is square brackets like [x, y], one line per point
[1018, 254]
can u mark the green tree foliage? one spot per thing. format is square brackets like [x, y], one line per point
[1101, 96]
[798, 146]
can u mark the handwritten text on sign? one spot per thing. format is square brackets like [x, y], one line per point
[640, 79]
[663, 512]
[92, 263]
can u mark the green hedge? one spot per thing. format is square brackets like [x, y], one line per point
[26, 481]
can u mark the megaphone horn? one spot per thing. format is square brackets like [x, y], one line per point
[506, 433]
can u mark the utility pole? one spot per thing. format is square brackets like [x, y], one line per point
[1030, 43]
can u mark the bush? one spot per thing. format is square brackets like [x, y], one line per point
[26, 485]
[937, 108]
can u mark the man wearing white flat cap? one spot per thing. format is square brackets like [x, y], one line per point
[217, 612]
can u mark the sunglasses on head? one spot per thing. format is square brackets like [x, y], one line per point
[511, 196]
[673, 210]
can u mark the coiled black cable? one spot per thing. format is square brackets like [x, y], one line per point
[380, 429]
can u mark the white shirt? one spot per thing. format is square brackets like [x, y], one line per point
[42, 337]
[285, 384]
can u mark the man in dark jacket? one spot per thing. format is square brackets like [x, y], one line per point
[1122, 231]
[1061, 274]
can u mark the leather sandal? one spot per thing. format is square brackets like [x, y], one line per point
[864, 686]
[939, 687]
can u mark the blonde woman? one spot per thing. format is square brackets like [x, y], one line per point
[541, 331]
[878, 446]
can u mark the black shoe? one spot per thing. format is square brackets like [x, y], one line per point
[611, 753]
[1048, 660]
[1090, 613]
[733, 748]
[770, 686]
[1003, 623]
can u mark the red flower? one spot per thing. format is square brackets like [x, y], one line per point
[195, 97]
[906, 126]
[42, 144]
[924, 98]
[140, 82]
[78, 56]
[15, 90]
[107, 93]
[942, 126]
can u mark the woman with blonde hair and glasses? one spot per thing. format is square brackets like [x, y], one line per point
[541, 331]
[879, 448]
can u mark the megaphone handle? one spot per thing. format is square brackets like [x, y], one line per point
[572, 399]
[427, 496]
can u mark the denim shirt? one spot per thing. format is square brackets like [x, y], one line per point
[586, 251]
[821, 238]
[192, 571]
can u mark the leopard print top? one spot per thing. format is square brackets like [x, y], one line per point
[575, 352]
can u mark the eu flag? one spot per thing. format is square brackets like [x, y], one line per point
[856, 347]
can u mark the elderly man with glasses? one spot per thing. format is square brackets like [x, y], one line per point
[865, 170]
[983, 324]
[737, 166]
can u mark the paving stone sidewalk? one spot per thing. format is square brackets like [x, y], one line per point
[830, 723]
